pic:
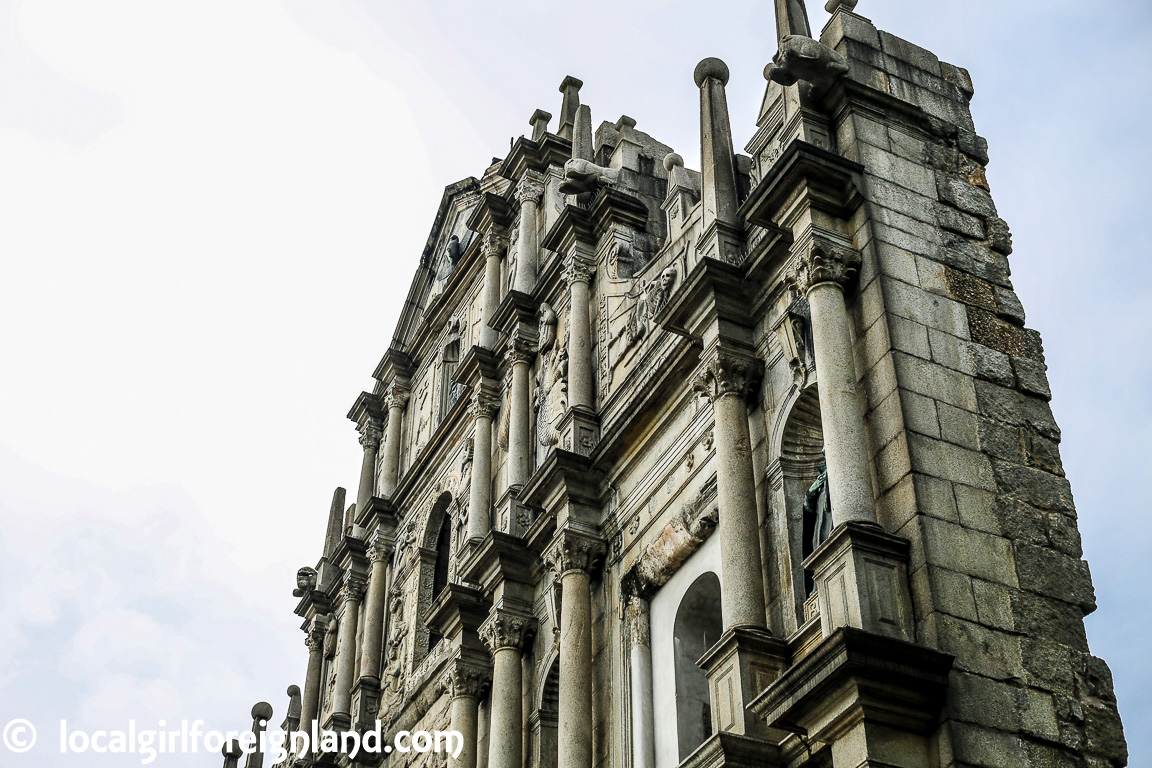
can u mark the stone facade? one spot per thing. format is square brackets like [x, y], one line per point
[587, 526]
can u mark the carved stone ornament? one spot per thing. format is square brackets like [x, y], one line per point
[584, 176]
[305, 581]
[482, 405]
[724, 375]
[465, 680]
[354, 585]
[802, 58]
[546, 327]
[495, 243]
[574, 552]
[825, 262]
[315, 637]
[506, 630]
[397, 397]
[578, 270]
[521, 349]
[380, 549]
[530, 188]
[371, 434]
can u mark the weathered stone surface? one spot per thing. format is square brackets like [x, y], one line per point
[1032, 377]
[987, 329]
[1034, 486]
[1039, 616]
[965, 196]
[1054, 574]
[1012, 407]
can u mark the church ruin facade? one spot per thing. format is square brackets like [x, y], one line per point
[745, 466]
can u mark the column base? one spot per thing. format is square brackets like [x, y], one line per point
[731, 750]
[861, 576]
[723, 242]
[740, 666]
[510, 515]
[365, 703]
[875, 700]
[580, 431]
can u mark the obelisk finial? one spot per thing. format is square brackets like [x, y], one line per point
[582, 134]
[539, 123]
[792, 19]
[571, 90]
[335, 523]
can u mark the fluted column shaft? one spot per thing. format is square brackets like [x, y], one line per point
[480, 490]
[520, 403]
[494, 248]
[726, 380]
[389, 475]
[529, 191]
[573, 557]
[346, 656]
[505, 635]
[578, 273]
[821, 275]
[370, 435]
[640, 666]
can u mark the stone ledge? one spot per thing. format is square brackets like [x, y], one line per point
[731, 750]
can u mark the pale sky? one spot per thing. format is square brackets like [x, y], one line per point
[210, 213]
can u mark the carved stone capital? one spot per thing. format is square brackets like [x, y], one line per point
[521, 348]
[573, 551]
[315, 637]
[483, 404]
[380, 548]
[726, 374]
[505, 629]
[464, 679]
[397, 396]
[825, 262]
[372, 433]
[354, 585]
[530, 188]
[495, 243]
[578, 270]
[637, 617]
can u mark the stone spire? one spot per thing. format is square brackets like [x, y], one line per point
[792, 18]
[539, 123]
[261, 714]
[292, 718]
[582, 148]
[722, 231]
[335, 523]
[569, 108]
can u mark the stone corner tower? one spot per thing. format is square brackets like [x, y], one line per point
[745, 466]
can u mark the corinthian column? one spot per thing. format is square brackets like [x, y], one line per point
[726, 380]
[370, 434]
[574, 556]
[494, 247]
[520, 352]
[578, 273]
[506, 633]
[395, 401]
[379, 552]
[821, 274]
[483, 408]
[529, 191]
[346, 654]
[464, 685]
[310, 704]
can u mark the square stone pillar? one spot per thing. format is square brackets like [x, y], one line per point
[861, 575]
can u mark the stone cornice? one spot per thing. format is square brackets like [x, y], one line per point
[500, 557]
[458, 613]
[535, 155]
[826, 180]
[493, 212]
[564, 478]
[395, 365]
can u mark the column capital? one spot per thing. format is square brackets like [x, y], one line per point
[824, 262]
[314, 639]
[572, 550]
[495, 243]
[483, 404]
[354, 585]
[530, 188]
[726, 373]
[637, 618]
[371, 433]
[381, 547]
[396, 396]
[464, 679]
[507, 629]
[578, 269]
[521, 346]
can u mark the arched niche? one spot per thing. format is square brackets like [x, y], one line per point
[698, 626]
[544, 720]
[797, 456]
[435, 568]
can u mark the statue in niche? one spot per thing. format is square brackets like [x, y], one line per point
[818, 508]
[551, 382]
[392, 688]
[461, 496]
[422, 419]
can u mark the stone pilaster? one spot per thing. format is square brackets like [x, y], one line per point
[506, 633]
[366, 694]
[394, 402]
[521, 350]
[370, 436]
[529, 191]
[578, 273]
[310, 702]
[354, 585]
[482, 408]
[726, 379]
[574, 556]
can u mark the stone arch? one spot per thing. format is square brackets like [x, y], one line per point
[796, 455]
[544, 718]
[431, 556]
[697, 628]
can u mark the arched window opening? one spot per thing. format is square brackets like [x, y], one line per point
[440, 569]
[805, 487]
[699, 624]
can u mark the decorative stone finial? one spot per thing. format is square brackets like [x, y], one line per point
[335, 522]
[539, 123]
[569, 107]
[710, 67]
[673, 160]
[839, 5]
[232, 753]
[792, 19]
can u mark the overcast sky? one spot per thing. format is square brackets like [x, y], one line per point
[210, 212]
